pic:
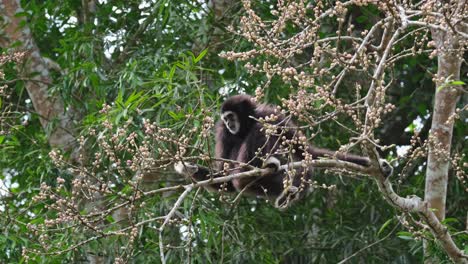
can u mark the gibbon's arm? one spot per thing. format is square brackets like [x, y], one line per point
[270, 183]
[201, 173]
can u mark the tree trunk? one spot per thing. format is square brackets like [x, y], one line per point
[55, 120]
[51, 110]
[446, 97]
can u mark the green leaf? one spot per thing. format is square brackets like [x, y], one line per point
[110, 219]
[21, 14]
[200, 56]
[384, 226]
[450, 220]
[361, 19]
[411, 127]
[174, 115]
[94, 80]
[456, 83]
[405, 235]
[450, 83]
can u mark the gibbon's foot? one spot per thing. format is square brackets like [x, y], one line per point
[272, 164]
[185, 168]
[287, 197]
[386, 168]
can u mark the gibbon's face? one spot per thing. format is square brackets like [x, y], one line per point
[231, 121]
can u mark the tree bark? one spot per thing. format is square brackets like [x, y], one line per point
[50, 108]
[440, 137]
[449, 64]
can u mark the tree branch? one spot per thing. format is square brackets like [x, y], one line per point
[415, 204]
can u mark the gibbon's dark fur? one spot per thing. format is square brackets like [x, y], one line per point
[250, 145]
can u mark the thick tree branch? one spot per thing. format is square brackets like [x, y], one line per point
[415, 204]
[325, 163]
[412, 204]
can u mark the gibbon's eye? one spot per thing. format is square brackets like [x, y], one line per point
[229, 117]
[231, 121]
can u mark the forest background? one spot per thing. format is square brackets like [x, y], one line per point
[99, 98]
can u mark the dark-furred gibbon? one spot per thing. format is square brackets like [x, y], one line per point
[242, 138]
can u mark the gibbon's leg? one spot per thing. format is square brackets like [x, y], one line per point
[294, 190]
[270, 183]
[385, 167]
[289, 195]
[241, 183]
[201, 173]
